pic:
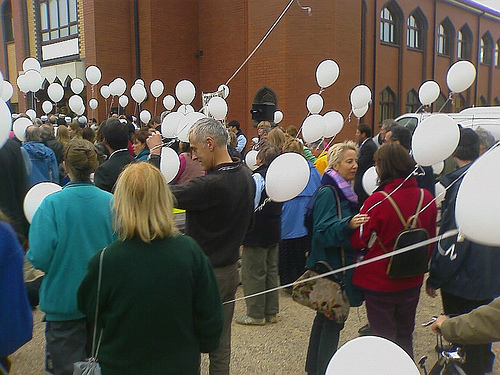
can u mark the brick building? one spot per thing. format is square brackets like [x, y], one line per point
[391, 46]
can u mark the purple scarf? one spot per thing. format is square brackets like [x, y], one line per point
[331, 177]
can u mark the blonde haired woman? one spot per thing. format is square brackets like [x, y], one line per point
[331, 243]
[159, 303]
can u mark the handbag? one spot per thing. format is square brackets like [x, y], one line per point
[326, 295]
[91, 365]
[413, 262]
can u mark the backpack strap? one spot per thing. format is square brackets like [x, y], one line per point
[414, 217]
[396, 208]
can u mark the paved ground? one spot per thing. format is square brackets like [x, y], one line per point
[271, 349]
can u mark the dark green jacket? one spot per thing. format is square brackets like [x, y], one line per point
[159, 306]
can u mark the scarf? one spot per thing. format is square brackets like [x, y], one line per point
[331, 177]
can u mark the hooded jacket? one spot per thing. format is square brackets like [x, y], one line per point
[44, 162]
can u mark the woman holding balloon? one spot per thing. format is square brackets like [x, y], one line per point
[334, 219]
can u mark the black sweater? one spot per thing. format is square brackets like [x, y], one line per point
[219, 210]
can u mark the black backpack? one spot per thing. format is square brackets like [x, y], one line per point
[413, 262]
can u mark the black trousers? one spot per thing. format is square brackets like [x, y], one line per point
[478, 358]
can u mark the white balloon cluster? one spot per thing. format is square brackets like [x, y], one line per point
[31, 80]
[361, 97]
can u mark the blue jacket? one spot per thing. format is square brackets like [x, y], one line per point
[292, 216]
[44, 163]
[470, 270]
[68, 228]
[16, 318]
[143, 155]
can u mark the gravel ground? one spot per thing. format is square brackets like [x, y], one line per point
[271, 349]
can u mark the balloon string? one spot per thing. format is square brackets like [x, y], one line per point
[419, 108]
[447, 234]
[265, 37]
[446, 102]
[156, 101]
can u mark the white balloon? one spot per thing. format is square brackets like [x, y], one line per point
[360, 96]
[169, 163]
[217, 107]
[145, 116]
[438, 167]
[23, 83]
[251, 159]
[75, 103]
[313, 128]
[393, 361]
[1, 84]
[460, 76]
[36, 195]
[7, 91]
[169, 102]
[138, 93]
[93, 74]
[170, 124]
[429, 92]
[185, 109]
[114, 88]
[281, 185]
[55, 92]
[81, 110]
[104, 90]
[140, 82]
[440, 191]
[93, 103]
[121, 86]
[34, 80]
[5, 122]
[477, 201]
[327, 73]
[47, 107]
[185, 91]
[224, 88]
[334, 122]
[31, 64]
[77, 86]
[314, 103]
[186, 124]
[19, 127]
[123, 100]
[369, 180]
[360, 112]
[156, 88]
[435, 139]
[31, 114]
[278, 116]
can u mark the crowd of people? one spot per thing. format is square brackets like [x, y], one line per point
[114, 264]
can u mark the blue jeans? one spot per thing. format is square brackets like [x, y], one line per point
[323, 344]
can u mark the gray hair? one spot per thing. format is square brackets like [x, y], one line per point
[486, 138]
[33, 134]
[46, 130]
[208, 127]
[336, 152]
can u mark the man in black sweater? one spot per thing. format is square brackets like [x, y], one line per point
[219, 211]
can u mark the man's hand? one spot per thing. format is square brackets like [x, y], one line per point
[436, 326]
[431, 292]
[154, 143]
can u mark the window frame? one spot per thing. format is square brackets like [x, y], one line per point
[413, 33]
[464, 43]
[49, 33]
[444, 40]
[387, 105]
[409, 105]
[486, 50]
[388, 24]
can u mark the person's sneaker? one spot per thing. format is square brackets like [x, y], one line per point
[271, 319]
[249, 321]
[365, 330]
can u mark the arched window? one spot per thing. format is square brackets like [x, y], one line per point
[387, 104]
[387, 26]
[445, 38]
[482, 102]
[464, 43]
[460, 102]
[58, 19]
[412, 102]
[486, 49]
[496, 101]
[416, 25]
[7, 22]
[497, 54]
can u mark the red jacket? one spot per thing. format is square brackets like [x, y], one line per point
[385, 222]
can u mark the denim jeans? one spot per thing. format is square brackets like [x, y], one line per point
[323, 343]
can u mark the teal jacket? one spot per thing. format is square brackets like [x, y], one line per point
[67, 229]
[159, 306]
[328, 234]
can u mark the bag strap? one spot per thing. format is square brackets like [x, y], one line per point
[339, 213]
[413, 218]
[95, 349]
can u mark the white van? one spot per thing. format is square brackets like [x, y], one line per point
[487, 118]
